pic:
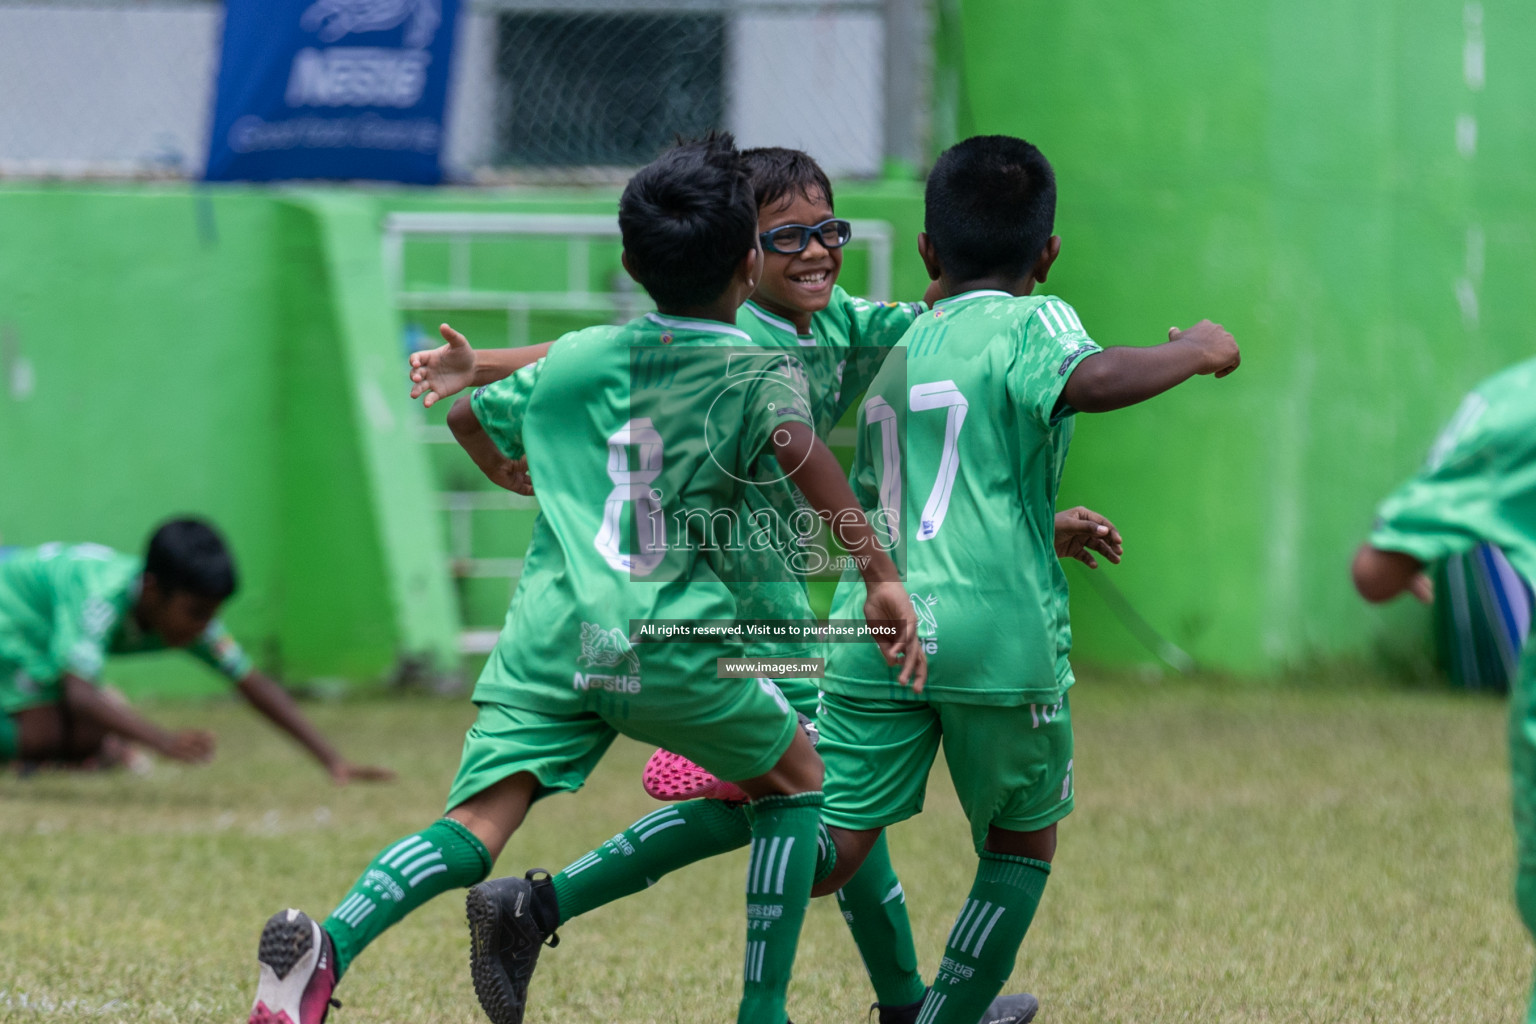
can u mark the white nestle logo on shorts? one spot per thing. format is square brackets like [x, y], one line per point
[611, 684]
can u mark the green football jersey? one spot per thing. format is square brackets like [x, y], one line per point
[1479, 482]
[960, 453]
[641, 435]
[65, 607]
[840, 356]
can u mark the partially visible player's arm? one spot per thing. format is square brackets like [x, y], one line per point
[86, 701]
[1124, 375]
[1081, 531]
[444, 371]
[274, 702]
[816, 472]
[1382, 575]
[511, 474]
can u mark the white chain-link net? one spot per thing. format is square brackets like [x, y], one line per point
[542, 90]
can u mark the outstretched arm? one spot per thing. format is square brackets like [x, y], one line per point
[511, 474]
[275, 703]
[1081, 531]
[1382, 575]
[816, 472]
[86, 701]
[1125, 375]
[444, 371]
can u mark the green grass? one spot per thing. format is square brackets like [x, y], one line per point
[1237, 854]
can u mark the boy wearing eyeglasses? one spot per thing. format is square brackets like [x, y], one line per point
[841, 341]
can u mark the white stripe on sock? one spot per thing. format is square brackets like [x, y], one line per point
[409, 848]
[965, 944]
[783, 865]
[766, 882]
[421, 862]
[654, 816]
[357, 911]
[346, 904]
[756, 867]
[439, 869]
[662, 827]
[965, 912]
[581, 864]
[362, 908]
[751, 862]
[987, 931]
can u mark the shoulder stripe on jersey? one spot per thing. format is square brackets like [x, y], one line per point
[706, 326]
[1072, 318]
[1053, 310]
[1045, 321]
[778, 322]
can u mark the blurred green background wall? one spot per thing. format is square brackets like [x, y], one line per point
[1348, 188]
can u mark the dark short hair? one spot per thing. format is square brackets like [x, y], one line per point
[688, 218]
[779, 175]
[990, 206]
[189, 555]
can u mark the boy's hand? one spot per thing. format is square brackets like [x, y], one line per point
[889, 602]
[443, 371]
[343, 772]
[191, 746]
[1081, 531]
[512, 475]
[1422, 588]
[1216, 345]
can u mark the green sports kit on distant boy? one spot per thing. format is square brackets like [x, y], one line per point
[1478, 485]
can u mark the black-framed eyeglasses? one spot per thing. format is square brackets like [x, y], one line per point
[788, 239]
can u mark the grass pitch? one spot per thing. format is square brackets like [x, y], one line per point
[1237, 854]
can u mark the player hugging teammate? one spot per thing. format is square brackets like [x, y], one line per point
[623, 442]
[984, 553]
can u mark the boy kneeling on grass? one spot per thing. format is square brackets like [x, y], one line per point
[65, 607]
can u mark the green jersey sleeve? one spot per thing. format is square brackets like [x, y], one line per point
[780, 393]
[1478, 483]
[501, 407]
[219, 651]
[86, 611]
[873, 329]
[1053, 343]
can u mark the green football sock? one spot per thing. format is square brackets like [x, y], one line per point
[443, 856]
[657, 844]
[875, 908]
[985, 940]
[779, 875]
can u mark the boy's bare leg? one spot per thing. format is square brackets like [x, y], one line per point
[51, 734]
[301, 962]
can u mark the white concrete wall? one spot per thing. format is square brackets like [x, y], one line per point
[104, 90]
[829, 103]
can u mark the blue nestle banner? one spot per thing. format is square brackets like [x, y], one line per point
[332, 89]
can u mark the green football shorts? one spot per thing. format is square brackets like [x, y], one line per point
[1011, 766]
[737, 729]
